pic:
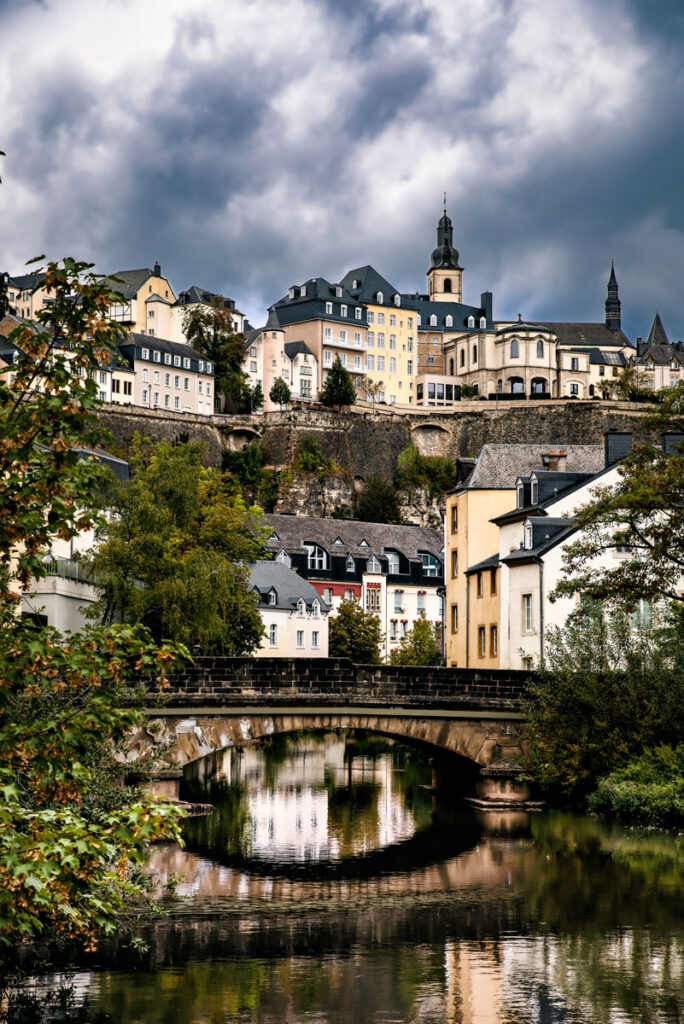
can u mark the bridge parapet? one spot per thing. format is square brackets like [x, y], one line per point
[233, 681]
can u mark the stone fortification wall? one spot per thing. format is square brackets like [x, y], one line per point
[235, 681]
[367, 445]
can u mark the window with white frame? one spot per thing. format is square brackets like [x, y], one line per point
[373, 565]
[431, 565]
[381, 339]
[350, 565]
[527, 612]
[272, 597]
[300, 638]
[349, 595]
[176, 360]
[393, 630]
[358, 312]
[392, 365]
[381, 362]
[301, 608]
[283, 558]
[449, 321]
[392, 562]
[370, 316]
[370, 359]
[381, 299]
[328, 308]
[273, 635]
[642, 616]
[343, 310]
[315, 639]
[186, 363]
[327, 357]
[398, 600]
[420, 601]
[393, 341]
[328, 596]
[483, 323]
[315, 609]
[317, 557]
[433, 320]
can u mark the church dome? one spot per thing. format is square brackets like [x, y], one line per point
[445, 256]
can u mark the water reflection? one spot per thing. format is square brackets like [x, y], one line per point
[330, 888]
[311, 798]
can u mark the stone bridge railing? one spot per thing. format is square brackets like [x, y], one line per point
[214, 681]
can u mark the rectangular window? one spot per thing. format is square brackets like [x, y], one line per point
[167, 379]
[454, 563]
[315, 638]
[393, 630]
[402, 628]
[381, 339]
[103, 396]
[480, 588]
[409, 323]
[156, 398]
[370, 317]
[454, 518]
[176, 381]
[393, 320]
[493, 641]
[167, 400]
[398, 601]
[409, 344]
[642, 616]
[144, 398]
[358, 312]
[370, 338]
[146, 353]
[156, 355]
[381, 362]
[527, 612]
[327, 333]
[349, 595]
[176, 402]
[128, 387]
[328, 308]
[186, 383]
[370, 359]
[328, 596]
[146, 375]
[381, 318]
[343, 310]
[492, 583]
[392, 366]
[115, 386]
[327, 357]
[167, 358]
[357, 362]
[409, 367]
[176, 360]
[420, 602]
[574, 363]
[393, 341]
[273, 636]
[156, 376]
[103, 377]
[199, 387]
[300, 638]
[481, 641]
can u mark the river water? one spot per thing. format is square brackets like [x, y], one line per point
[329, 886]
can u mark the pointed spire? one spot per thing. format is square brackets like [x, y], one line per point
[445, 255]
[657, 335]
[613, 305]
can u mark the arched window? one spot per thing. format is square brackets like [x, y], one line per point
[538, 385]
[451, 367]
[483, 323]
[449, 322]
[474, 353]
[514, 349]
[447, 284]
[499, 385]
[317, 558]
[517, 385]
[433, 320]
[381, 297]
[540, 349]
[462, 359]
[397, 300]
[471, 321]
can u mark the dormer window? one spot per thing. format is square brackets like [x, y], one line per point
[282, 558]
[343, 310]
[380, 297]
[274, 538]
[355, 283]
[338, 291]
[520, 493]
[373, 565]
[433, 320]
[272, 597]
[471, 321]
[483, 323]
[392, 562]
[363, 543]
[449, 322]
[397, 300]
[358, 313]
[315, 609]
[301, 608]
[338, 542]
[431, 565]
[302, 291]
[528, 536]
[534, 490]
[316, 557]
[328, 308]
[350, 566]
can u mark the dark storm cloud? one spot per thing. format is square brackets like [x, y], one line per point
[249, 146]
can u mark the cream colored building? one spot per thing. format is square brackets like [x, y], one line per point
[294, 614]
[269, 356]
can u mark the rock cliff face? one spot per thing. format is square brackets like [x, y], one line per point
[364, 445]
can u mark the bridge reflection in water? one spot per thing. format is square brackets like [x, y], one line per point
[330, 887]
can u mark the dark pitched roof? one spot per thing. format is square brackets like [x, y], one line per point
[458, 311]
[499, 465]
[522, 325]
[152, 342]
[293, 531]
[662, 355]
[546, 533]
[299, 308]
[290, 588]
[195, 294]
[131, 281]
[657, 335]
[582, 334]
[597, 357]
[296, 348]
[27, 282]
[364, 283]
[156, 297]
[486, 563]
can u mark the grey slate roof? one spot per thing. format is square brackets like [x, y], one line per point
[522, 325]
[486, 563]
[369, 283]
[27, 282]
[459, 312]
[289, 586]
[156, 297]
[296, 348]
[546, 533]
[657, 335]
[194, 294]
[293, 531]
[151, 342]
[583, 334]
[499, 465]
[131, 281]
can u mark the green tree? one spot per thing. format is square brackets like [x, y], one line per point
[69, 831]
[338, 389]
[378, 502]
[172, 551]
[604, 692]
[643, 512]
[257, 397]
[280, 392]
[210, 329]
[355, 634]
[419, 646]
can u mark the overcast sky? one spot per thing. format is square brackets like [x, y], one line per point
[250, 144]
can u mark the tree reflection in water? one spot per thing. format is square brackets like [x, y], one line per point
[464, 918]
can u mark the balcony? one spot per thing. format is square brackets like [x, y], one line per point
[337, 342]
[67, 568]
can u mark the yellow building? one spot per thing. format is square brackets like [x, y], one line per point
[391, 337]
[146, 301]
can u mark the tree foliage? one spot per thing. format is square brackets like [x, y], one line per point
[419, 646]
[643, 512]
[604, 693]
[338, 389]
[280, 392]
[378, 502]
[211, 330]
[355, 634]
[68, 831]
[251, 475]
[435, 473]
[172, 549]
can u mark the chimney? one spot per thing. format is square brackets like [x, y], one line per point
[157, 270]
[672, 442]
[555, 460]
[617, 445]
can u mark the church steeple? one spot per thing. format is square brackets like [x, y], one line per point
[613, 320]
[444, 275]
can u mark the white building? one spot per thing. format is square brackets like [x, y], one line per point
[294, 614]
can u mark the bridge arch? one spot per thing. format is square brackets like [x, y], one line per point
[241, 436]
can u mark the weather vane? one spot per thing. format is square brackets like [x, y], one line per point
[444, 201]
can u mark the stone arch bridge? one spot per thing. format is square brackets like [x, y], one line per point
[469, 720]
